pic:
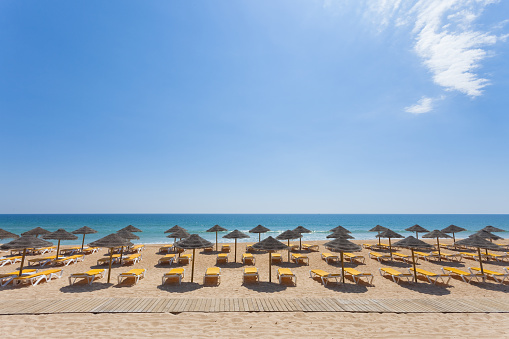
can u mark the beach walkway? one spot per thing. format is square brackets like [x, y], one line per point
[178, 305]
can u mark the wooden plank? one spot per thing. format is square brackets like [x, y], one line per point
[176, 307]
[249, 307]
[140, 306]
[259, 304]
[150, 307]
[169, 306]
[221, 305]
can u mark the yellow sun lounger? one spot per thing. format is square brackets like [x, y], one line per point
[448, 256]
[136, 248]
[352, 257]
[135, 273]
[89, 276]
[427, 256]
[70, 250]
[276, 257]
[356, 275]
[498, 257]
[168, 259]
[41, 261]
[177, 273]
[43, 250]
[225, 248]
[405, 257]
[312, 248]
[465, 276]
[248, 257]
[497, 276]
[324, 276]
[166, 248]
[106, 260]
[185, 258]
[9, 260]
[212, 273]
[222, 258]
[474, 256]
[36, 278]
[90, 250]
[286, 273]
[132, 259]
[69, 260]
[300, 259]
[329, 257]
[379, 256]
[250, 272]
[432, 277]
[208, 249]
[6, 278]
[395, 275]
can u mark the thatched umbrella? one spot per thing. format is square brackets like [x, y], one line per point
[342, 245]
[174, 229]
[7, 235]
[217, 228]
[417, 229]
[288, 235]
[339, 234]
[131, 228]
[193, 242]
[24, 242]
[437, 234]
[36, 232]
[270, 244]
[126, 235]
[235, 235]
[84, 230]
[488, 235]
[59, 234]
[378, 229]
[111, 241]
[413, 243]
[388, 233]
[340, 228]
[479, 242]
[300, 230]
[179, 233]
[492, 229]
[259, 229]
[453, 229]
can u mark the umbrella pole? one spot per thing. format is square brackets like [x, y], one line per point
[109, 269]
[379, 243]
[259, 237]
[288, 250]
[82, 243]
[192, 268]
[300, 243]
[22, 262]
[413, 261]
[390, 247]
[121, 254]
[417, 235]
[453, 239]
[342, 268]
[58, 248]
[438, 246]
[270, 266]
[480, 260]
[235, 249]
[216, 241]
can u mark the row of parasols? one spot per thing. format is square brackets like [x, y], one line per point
[193, 241]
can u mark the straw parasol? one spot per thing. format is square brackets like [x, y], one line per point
[24, 242]
[342, 245]
[437, 234]
[340, 228]
[84, 230]
[339, 234]
[217, 228]
[378, 229]
[7, 235]
[492, 229]
[388, 233]
[126, 235]
[111, 241]
[36, 232]
[417, 229]
[174, 229]
[59, 234]
[453, 229]
[259, 229]
[193, 242]
[181, 233]
[131, 228]
[412, 243]
[288, 235]
[235, 235]
[270, 244]
[479, 242]
[488, 235]
[300, 230]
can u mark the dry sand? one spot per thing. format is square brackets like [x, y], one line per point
[238, 324]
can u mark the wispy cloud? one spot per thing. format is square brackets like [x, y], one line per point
[424, 105]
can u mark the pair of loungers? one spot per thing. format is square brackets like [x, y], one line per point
[326, 277]
[397, 276]
[9, 261]
[91, 275]
[30, 276]
[115, 259]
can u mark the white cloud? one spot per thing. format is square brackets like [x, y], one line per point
[424, 105]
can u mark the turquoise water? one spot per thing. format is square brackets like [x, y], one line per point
[154, 225]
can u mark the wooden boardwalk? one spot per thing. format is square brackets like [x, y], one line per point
[178, 305]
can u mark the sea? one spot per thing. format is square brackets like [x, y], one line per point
[154, 225]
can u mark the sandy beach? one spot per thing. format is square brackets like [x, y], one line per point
[269, 324]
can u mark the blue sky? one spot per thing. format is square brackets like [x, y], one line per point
[254, 106]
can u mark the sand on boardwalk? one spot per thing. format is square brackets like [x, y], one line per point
[267, 324]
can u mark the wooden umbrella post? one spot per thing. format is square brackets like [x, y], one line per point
[235, 249]
[121, 254]
[111, 258]
[288, 250]
[270, 266]
[342, 268]
[379, 241]
[438, 246]
[192, 267]
[22, 262]
[390, 247]
[300, 243]
[216, 241]
[480, 260]
[413, 261]
[58, 249]
[259, 237]
[82, 243]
